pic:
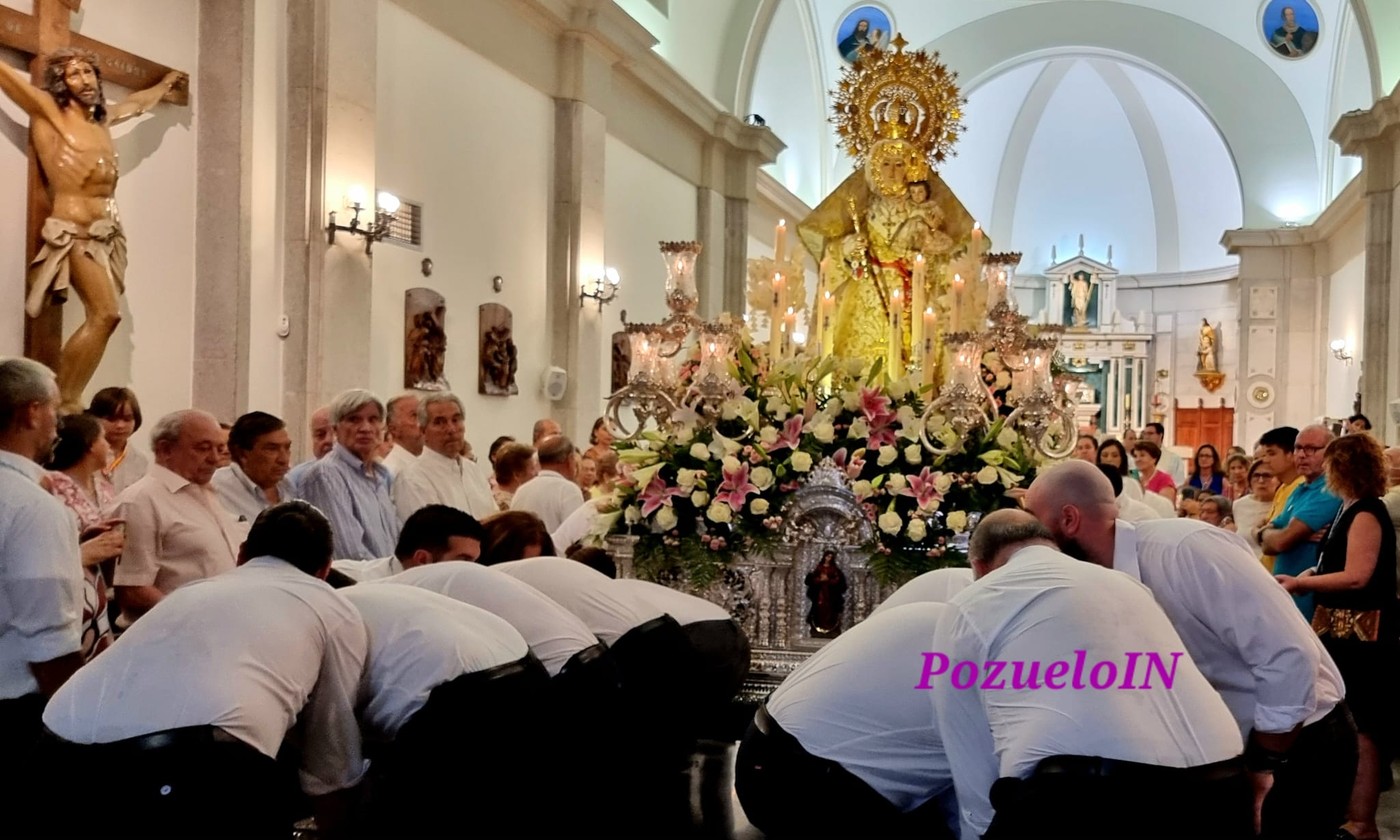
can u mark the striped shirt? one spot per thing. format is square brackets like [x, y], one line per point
[356, 502]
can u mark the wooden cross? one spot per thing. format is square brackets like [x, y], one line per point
[37, 35]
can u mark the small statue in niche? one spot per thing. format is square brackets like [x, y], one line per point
[498, 363]
[1079, 292]
[425, 340]
[1206, 361]
[826, 589]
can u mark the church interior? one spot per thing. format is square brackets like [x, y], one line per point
[1193, 207]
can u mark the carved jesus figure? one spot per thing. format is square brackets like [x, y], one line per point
[84, 246]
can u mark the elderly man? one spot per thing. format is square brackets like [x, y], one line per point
[441, 474]
[41, 582]
[350, 486]
[322, 439]
[1310, 509]
[404, 430]
[1240, 629]
[544, 428]
[257, 478]
[193, 705]
[554, 494]
[176, 530]
[1033, 758]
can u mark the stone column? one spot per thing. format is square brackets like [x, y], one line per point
[1374, 136]
[729, 182]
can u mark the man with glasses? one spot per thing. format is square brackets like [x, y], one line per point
[1295, 535]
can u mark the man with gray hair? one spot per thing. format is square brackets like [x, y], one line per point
[349, 486]
[41, 582]
[1001, 534]
[554, 494]
[402, 424]
[441, 475]
[177, 531]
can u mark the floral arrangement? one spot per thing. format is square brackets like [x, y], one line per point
[701, 493]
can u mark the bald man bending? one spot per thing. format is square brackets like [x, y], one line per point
[1243, 632]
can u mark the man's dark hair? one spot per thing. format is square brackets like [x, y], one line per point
[56, 64]
[1283, 437]
[109, 401]
[496, 446]
[295, 532]
[1114, 477]
[251, 426]
[430, 527]
[555, 449]
[597, 559]
[1365, 421]
[1158, 428]
[990, 537]
[508, 534]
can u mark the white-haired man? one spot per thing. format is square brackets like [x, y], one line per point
[402, 424]
[177, 531]
[441, 475]
[349, 486]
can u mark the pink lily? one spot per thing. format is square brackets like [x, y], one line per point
[923, 488]
[736, 487]
[876, 408]
[790, 436]
[656, 495]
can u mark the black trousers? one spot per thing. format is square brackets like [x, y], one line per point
[196, 781]
[788, 792]
[1310, 794]
[657, 673]
[22, 736]
[1088, 797]
[722, 658]
[471, 757]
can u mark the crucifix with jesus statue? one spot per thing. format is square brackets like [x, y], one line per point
[74, 234]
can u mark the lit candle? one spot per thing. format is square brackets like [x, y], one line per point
[775, 317]
[957, 300]
[790, 332]
[916, 304]
[780, 242]
[976, 240]
[927, 346]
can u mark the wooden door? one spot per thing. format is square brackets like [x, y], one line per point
[1214, 425]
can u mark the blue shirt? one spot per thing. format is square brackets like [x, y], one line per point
[355, 501]
[1314, 505]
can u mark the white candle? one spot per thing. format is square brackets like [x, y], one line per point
[780, 242]
[957, 300]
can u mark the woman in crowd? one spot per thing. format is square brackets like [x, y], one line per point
[1217, 511]
[513, 465]
[607, 474]
[514, 535]
[1114, 454]
[76, 479]
[1236, 476]
[601, 439]
[1251, 510]
[587, 475]
[1146, 454]
[120, 413]
[1205, 471]
[1087, 448]
[1356, 613]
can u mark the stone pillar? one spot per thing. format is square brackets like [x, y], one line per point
[729, 182]
[1374, 136]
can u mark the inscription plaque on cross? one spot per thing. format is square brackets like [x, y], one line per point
[71, 160]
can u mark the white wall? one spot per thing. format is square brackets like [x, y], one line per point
[788, 93]
[151, 350]
[265, 244]
[479, 159]
[1345, 318]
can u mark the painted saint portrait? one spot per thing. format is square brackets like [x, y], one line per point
[865, 26]
[1291, 27]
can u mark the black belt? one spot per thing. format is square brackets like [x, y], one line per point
[648, 626]
[586, 656]
[523, 665]
[1086, 766]
[187, 736]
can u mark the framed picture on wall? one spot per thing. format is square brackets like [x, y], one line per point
[1291, 28]
[863, 26]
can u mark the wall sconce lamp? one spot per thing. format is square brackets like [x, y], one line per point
[601, 286]
[386, 205]
[1340, 352]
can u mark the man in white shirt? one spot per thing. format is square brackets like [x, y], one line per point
[176, 529]
[198, 697]
[257, 479]
[554, 493]
[322, 441]
[41, 583]
[448, 685]
[1129, 509]
[440, 474]
[401, 424]
[1242, 631]
[1170, 463]
[432, 535]
[1026, 670]
[937, 586]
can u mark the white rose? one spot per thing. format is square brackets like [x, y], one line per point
[850, 400]
[888, 454]
[758, 507]
[855, 367]
[762, 477]
[906, 416]
[666, 518]
[780, 409]
[859, 430]
[699, 498]
[896, 483]
[862, 489]
[632, 515]
[768, 436]
[917, 530]
[987, 475]
[943, 483]
[719, 512]
[1007, 438]
[957, 521]
[686, 478]
[824, 432]
[700, 452]
[801, 461]
[914, 453]
[730, 463]
[890, 522]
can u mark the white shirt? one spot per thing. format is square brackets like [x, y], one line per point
[397, 459]
[241, 497]
[937, 586]
[1131, 510]
[131, 469]
[576, 526]
[1173, 465]
[176, 532]
[1238, 624]
[363, 570]
[1249, 513]
[435, 479]
[252, 651]
[550, 496]
[553, 633]
[854, 702]
[1043, 608]
[419, 640]
[1132, 488]
[1160, 504]
[607, 611]
[683, 607]
[41, 577]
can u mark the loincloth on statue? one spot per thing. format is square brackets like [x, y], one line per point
[50, 273]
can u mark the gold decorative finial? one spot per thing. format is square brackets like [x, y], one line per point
[899, 43]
